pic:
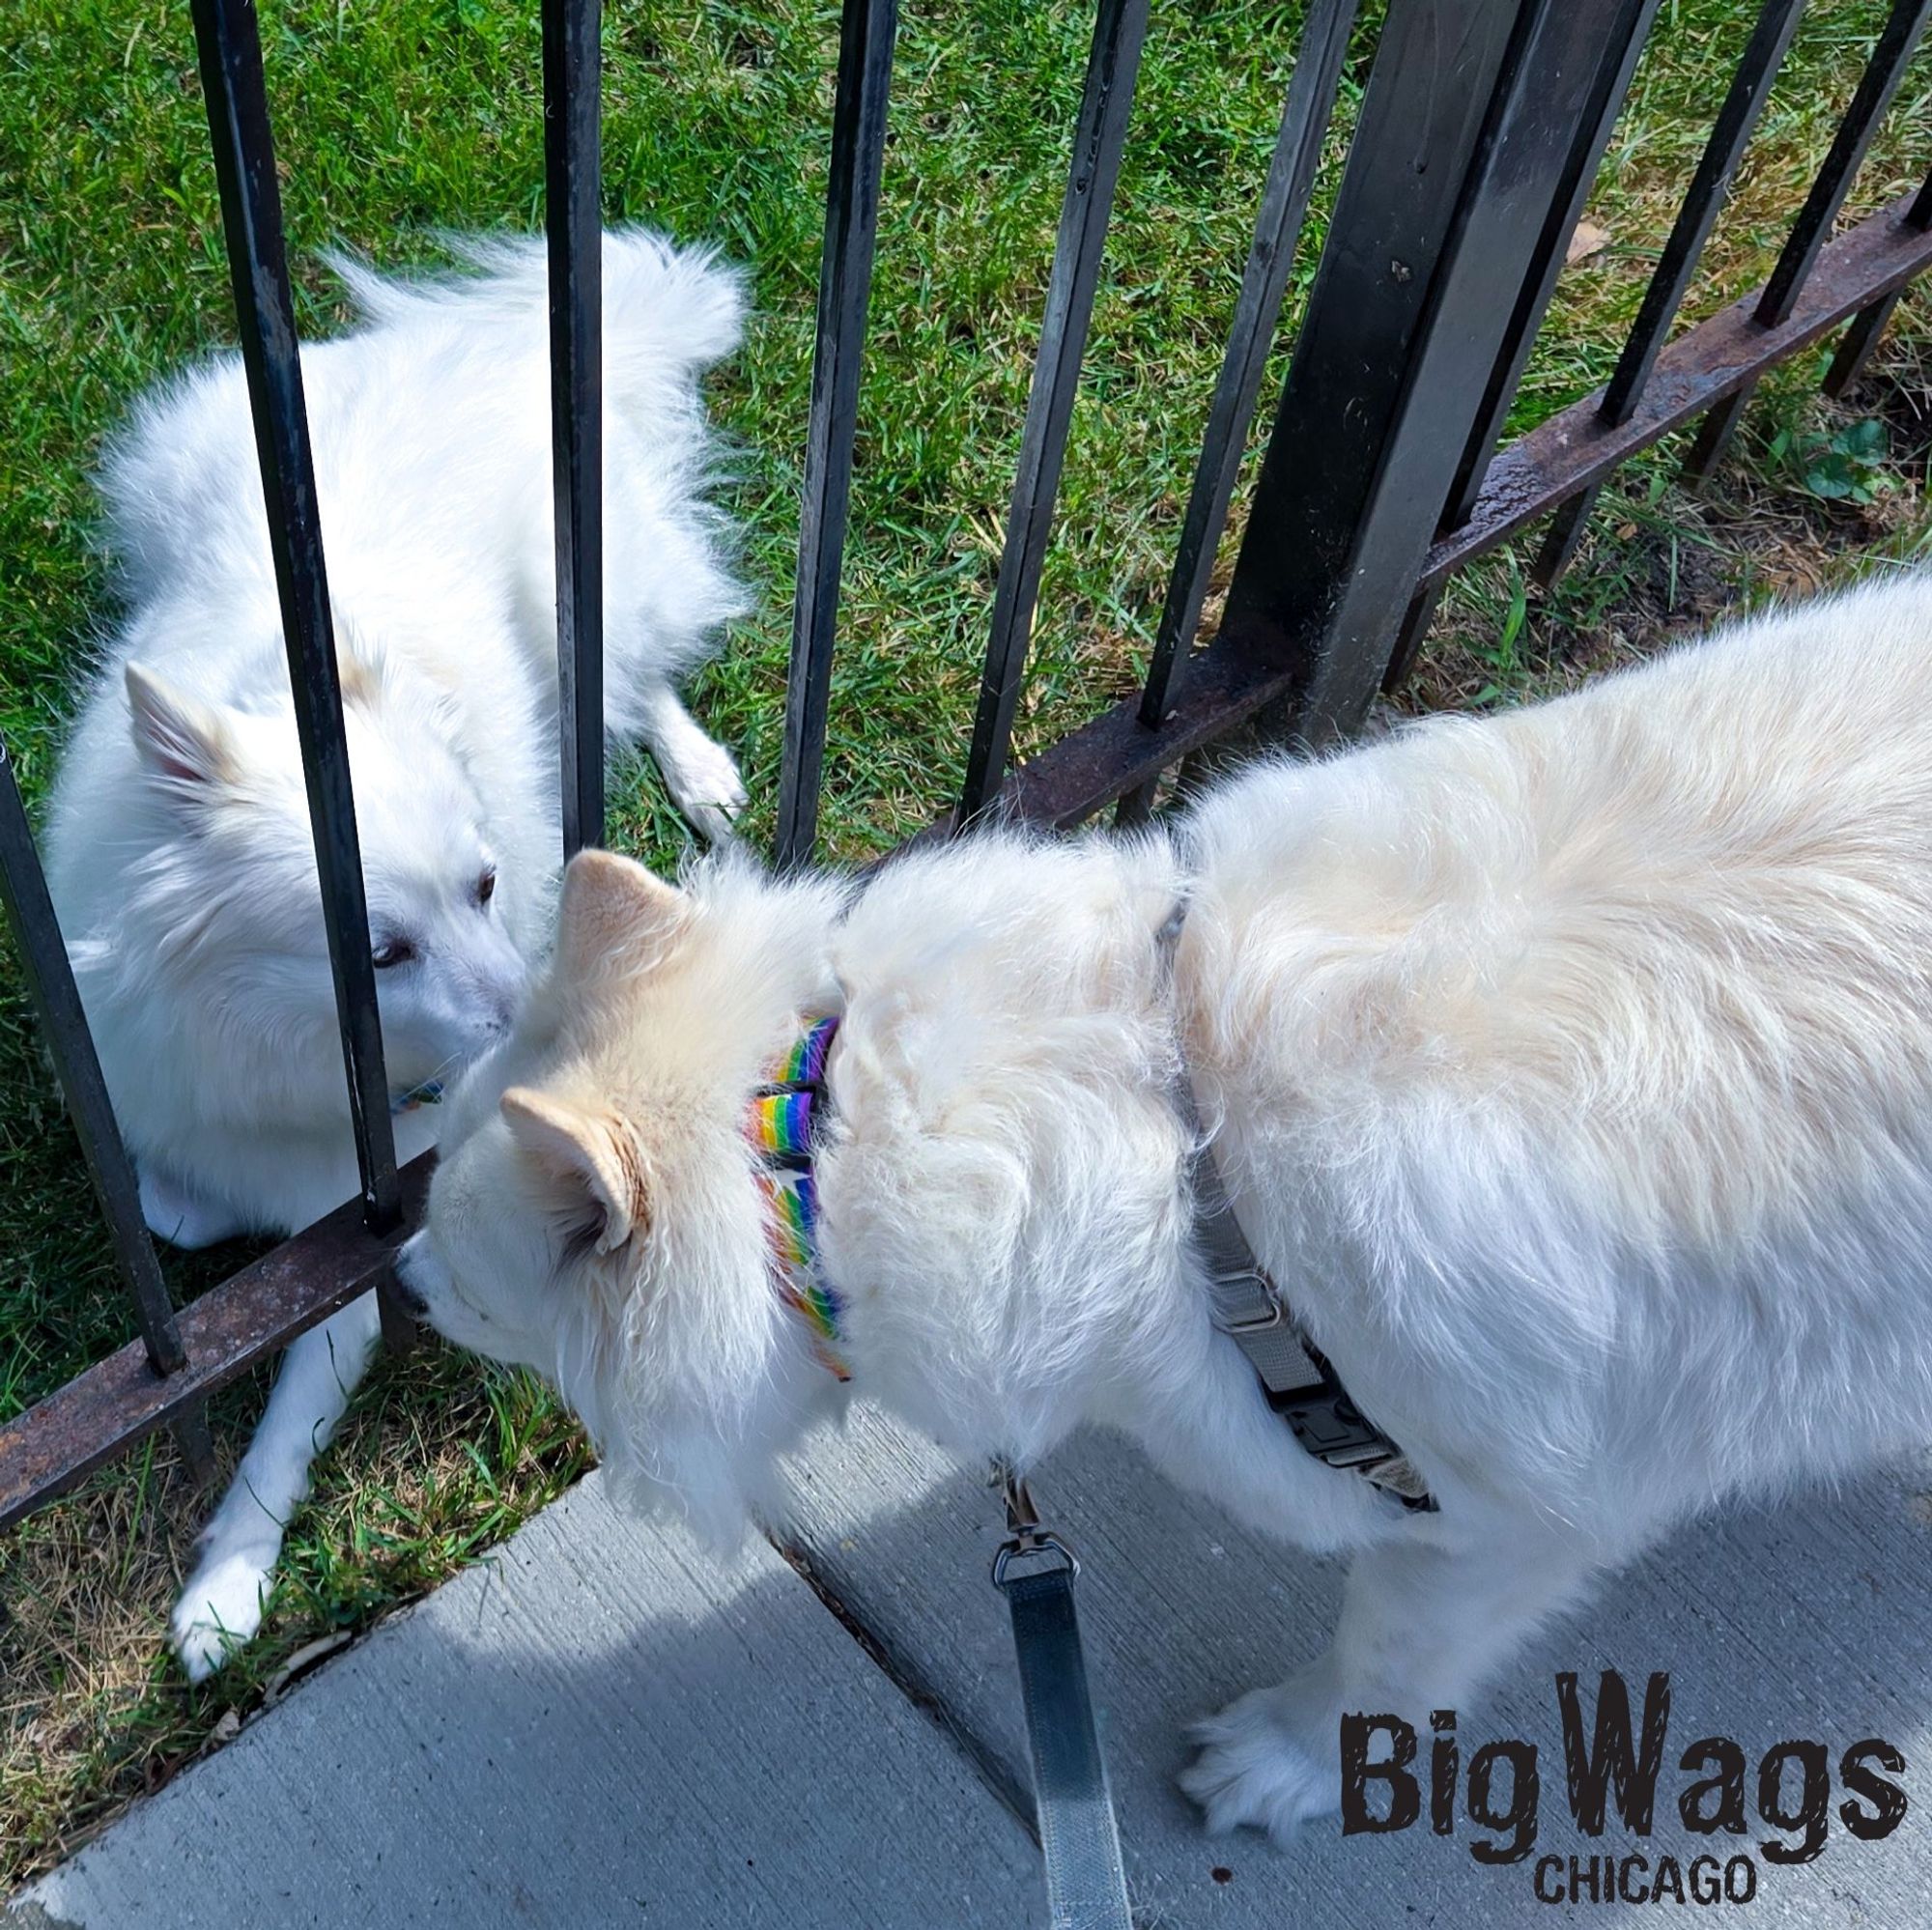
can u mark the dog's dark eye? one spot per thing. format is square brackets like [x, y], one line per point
[392, 952]
[486, 885]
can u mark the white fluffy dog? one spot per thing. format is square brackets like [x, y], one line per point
[179, 847]
[1571, 1071]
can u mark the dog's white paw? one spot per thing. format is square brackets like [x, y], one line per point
[220, 1608]
[703, 778]
[1256, 1769]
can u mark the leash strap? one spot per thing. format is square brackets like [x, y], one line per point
[1086, 1881]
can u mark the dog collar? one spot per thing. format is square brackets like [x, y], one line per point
[428, 1094]
[781, 1124]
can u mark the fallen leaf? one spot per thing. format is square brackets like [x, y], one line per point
[1588, 239]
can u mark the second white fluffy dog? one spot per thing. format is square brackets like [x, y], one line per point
[1570, 1070]
[180, 854]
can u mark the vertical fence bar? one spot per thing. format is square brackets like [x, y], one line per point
[1100, 133]
[866, 33]
[1437, 68]
[1610, 61]
[1704, 199]
[1854, 347]
[1464, 154]
[1291, 181]
[1597, 115]
[229, 45]
[1423, 121]
[1411, 633]
[1896, 41]
[1559, 546]
[1812, 229]
[56, 1002]
[573, 222]
[1714, 435]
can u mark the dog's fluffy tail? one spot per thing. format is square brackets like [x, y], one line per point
[663, 304]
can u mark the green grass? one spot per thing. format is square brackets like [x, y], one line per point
[398, 118]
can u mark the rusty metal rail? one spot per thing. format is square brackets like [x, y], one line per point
[64, 1438]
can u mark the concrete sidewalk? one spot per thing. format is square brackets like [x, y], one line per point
[600, 1727]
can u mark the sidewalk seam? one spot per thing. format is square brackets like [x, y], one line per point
[905, 1675]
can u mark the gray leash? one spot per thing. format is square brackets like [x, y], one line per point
[1085, 1882]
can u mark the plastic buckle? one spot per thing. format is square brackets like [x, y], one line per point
[1332, 1427]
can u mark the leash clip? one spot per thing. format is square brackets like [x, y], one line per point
[1025, 1536]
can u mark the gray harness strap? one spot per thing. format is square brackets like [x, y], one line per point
[1295, 1376]
[1249, 1308]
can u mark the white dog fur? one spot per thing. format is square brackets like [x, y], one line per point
[179, 844]
[1571, 1070]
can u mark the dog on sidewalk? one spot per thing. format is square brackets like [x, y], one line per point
[179, 845]
[1568, 1069]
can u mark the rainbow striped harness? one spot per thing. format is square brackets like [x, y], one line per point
[782, 1123]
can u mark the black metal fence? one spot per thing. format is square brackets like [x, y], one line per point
[1478, 140]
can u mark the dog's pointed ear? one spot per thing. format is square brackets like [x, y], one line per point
[588, 1158]
[183, 744]
[614, 914]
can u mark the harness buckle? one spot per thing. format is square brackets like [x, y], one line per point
[1332, 1427]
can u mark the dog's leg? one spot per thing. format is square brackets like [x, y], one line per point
[181, 1217]
[221, 1605]
[1420, 1627]
[702, 775]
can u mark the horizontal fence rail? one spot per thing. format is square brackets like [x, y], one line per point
[1718, 357]
[1094, 765]
[1480, 131]
[232, 1327]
